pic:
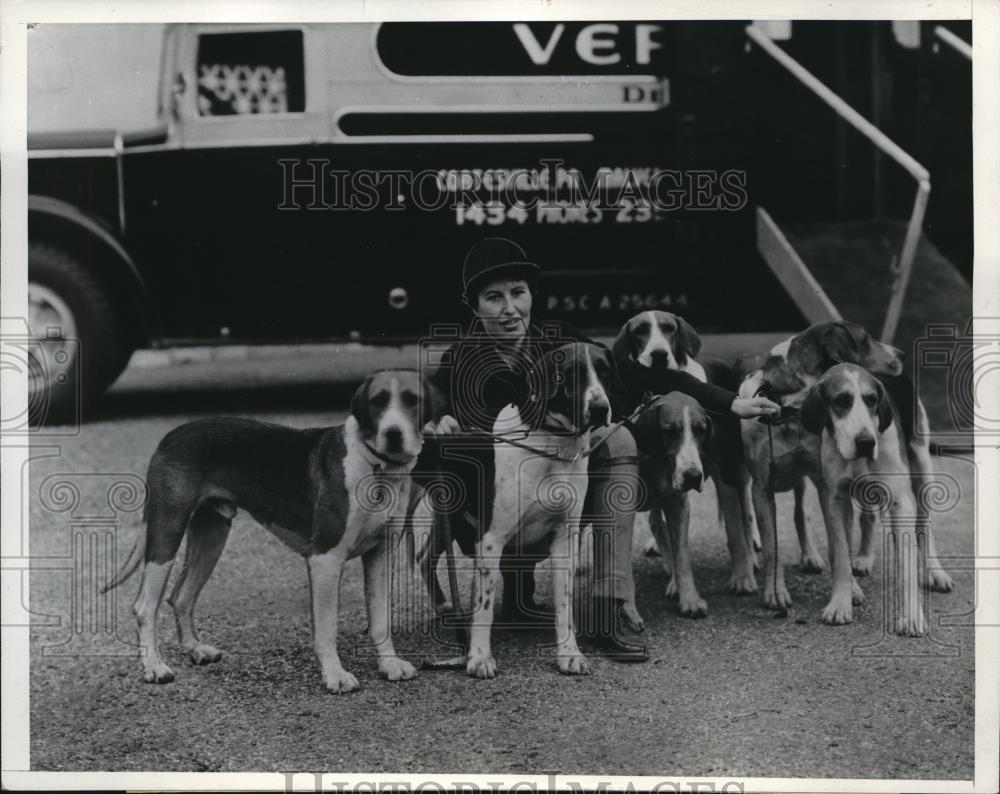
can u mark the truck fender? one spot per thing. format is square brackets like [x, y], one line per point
[57, 214]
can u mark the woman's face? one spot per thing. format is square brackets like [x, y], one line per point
[504, 307]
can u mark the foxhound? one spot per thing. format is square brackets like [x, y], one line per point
[860, 436]
[539, 490]
[659, 340]
[793, 367]
[662, 340]
[331, 494]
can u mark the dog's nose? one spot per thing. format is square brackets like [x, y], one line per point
[864, 446]
[394, 439]
[659, 358]
[599, 414]
[691, 480]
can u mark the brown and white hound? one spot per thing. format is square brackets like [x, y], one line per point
[792, 368]
[663, 340]
[660, 340]
[331, 494]
[861, 437]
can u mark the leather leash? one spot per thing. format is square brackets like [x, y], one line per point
[455, 617]
[644, 404]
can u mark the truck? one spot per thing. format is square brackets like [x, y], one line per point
[322, 182]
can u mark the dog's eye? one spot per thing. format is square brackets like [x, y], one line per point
[870, 400]
[668, 329]
[409, 399]
[380, 399]
[843, 402]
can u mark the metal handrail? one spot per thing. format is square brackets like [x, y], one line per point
[955, 42]
[904, 268]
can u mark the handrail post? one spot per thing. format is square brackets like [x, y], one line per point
[906, 259]
[908, 251]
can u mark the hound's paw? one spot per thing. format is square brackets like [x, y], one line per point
[340, 682]
[939, 581]
[777, 598]
[204, 654]
[481, 666]
[633, 620]
[857, 594]
[693, 607]
[396, 669]
[157, 672]
[912, 625]
[573, 664]
[651, 549]
[743, 583]
[863, 565]
[810, 562]
[838, 612]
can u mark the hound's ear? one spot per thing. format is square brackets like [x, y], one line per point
[688, 338]
[621, 350]
[431, 404]
[841, 344]
[882, 359]
[814, 414]
[709, 429]
[359, 407]
[884, 408]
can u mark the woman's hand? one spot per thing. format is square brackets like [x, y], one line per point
[445, 426]
[750, 407]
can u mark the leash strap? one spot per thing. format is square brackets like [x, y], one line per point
[626, 422]
[386, 460]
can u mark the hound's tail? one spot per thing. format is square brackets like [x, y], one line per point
[134, 558]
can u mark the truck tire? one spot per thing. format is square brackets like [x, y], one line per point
[77, 334]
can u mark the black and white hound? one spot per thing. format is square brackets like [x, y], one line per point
[331, 494]
[540, 486]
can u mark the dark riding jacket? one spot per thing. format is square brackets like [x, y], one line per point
[476, 382]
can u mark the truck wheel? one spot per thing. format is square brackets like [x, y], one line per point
[76, 350]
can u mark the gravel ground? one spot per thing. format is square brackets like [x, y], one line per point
[739, 693]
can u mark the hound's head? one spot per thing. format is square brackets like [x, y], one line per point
[851, 405]
[826, 344]
[391, 407]
[676, 428]
[659, 340]
[577, 379]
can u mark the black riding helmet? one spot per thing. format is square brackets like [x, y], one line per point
[495, 257]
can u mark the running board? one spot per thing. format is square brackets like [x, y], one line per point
[792, 272]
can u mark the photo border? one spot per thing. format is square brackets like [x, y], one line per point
[14, 21]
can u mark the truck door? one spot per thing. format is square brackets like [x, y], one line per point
[211, 209]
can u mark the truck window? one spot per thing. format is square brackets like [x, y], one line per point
[251, 73]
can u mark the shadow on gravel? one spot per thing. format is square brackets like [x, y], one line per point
[280, 398]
